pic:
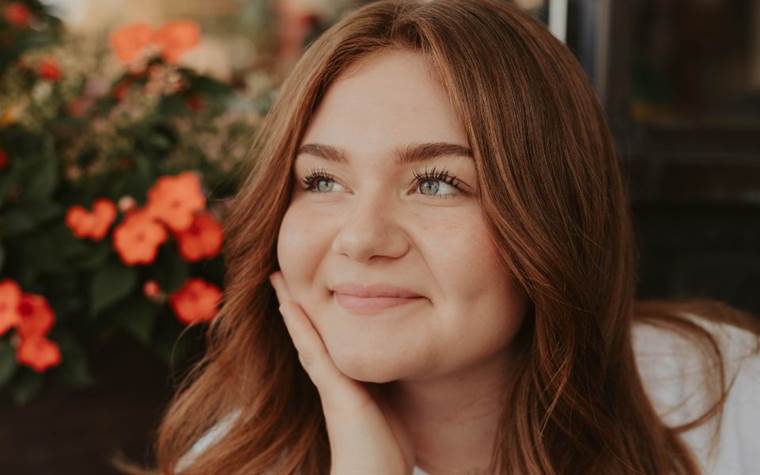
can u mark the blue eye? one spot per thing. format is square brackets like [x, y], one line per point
[436, 176]
[314, 177]
[311, 182]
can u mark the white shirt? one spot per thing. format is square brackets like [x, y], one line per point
[674, 379]
[673, 376]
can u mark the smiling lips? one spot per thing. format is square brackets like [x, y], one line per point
[372, 298]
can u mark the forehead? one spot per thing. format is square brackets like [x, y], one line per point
[389, 99]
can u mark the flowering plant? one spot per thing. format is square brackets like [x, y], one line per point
[112, 194]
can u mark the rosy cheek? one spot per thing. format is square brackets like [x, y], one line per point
[299, 250]
[289, 244]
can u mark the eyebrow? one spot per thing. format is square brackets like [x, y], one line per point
[411, 153]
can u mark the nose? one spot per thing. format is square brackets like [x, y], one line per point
[371, 228]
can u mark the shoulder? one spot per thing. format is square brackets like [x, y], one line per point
[677, 372]
[216, 432]
[207, 439]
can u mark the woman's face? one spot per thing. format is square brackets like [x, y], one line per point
[368, 220]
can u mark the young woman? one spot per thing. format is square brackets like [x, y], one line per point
[431, 268]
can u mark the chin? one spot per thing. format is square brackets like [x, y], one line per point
[367, 368]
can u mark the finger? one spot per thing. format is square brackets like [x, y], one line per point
[312, 352]
[305, 338]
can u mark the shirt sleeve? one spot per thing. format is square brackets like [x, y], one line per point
[676, 379]
[739, 449]
[206, 440]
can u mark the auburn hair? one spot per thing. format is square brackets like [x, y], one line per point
[556, 204]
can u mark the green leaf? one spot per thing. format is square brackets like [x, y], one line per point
[171, 105]
[42, 251]
[16, 221]
[95, 257]
[171, 269]
[27, 387]
[27, 215]
[2, 257]
[44, 181]
[70, 245]
[137, 183]
[110, 284]
[7, 362]
[74, 369]
[208, 85]
[42, 210]
[144, 167]
[159, 141]
[137, 316]
[6, 181]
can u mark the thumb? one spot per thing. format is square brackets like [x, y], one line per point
[334, 387]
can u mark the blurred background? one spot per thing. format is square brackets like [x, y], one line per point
[123, 122]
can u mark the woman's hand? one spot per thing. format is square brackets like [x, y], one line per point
[365, 435]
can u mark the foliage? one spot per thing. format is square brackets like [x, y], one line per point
[112, 191]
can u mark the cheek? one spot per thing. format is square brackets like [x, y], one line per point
[291, 241]
[464, 260]
[299, 248]
[481, 306]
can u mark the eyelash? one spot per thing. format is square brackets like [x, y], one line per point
[443, 175]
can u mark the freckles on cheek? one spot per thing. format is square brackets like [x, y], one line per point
[468, 259]
[293, 242]
[302, 244]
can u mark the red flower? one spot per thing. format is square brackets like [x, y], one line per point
[137, 238]
[39, 353]
[3, 159]
[36, 316]
[174, 200]
[176, 37]
[49, 69]
[202, 239]
[194, 102]
[17, 14]
[129, 41]
[173, 39]
[10, 296]
[33, 318]
[78, 106]
[91, 225]
[196, 301]
[121, 89]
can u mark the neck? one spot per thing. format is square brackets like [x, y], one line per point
[453, 419]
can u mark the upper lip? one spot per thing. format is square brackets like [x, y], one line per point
[374, 290]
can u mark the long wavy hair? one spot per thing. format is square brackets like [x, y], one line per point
[556, 204]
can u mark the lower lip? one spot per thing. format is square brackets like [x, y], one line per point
[371, 304]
